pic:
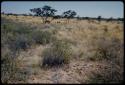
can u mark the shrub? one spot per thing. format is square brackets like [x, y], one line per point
[110, 50]
[15, 29]
[42, 37]
[58, 54]
[109, 74]
[10, 71]
[8, 66]
[54, 31]
[107, 49]
[22, 30]
[5, 28]
[20, 42]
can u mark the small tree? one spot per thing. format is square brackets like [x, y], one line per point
[69, 14]
[44, 12]
[56, 17]
[99, 18]
[110, 19]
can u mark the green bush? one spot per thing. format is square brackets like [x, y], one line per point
[42, 37]
[58, 54]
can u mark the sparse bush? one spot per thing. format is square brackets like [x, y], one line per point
[5, 28]
[109, 74]
[13, 38]
[8, 65]
[54, 31]
[20, 42]
[15, 28]
[107, 49]
[17, 37]
[58, 54]
[42, 37]
[10, 71]
[22, 30]
[105, 28]
[112, 51]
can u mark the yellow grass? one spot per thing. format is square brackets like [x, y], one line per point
[83, 34]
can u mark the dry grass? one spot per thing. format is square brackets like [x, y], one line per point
[88, 41]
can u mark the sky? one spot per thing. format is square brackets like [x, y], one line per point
[105, 9]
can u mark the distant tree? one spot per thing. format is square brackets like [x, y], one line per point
[24, 14]
[110, 19]
[30, 14]
[120, 19]
[57, 16]
[99, 18]
[87, 18]
[44, 12]
[69, 14]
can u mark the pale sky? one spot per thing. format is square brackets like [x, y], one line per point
[105, 9]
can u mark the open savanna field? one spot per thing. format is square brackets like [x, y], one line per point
[62, 51]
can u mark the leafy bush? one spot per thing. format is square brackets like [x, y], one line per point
[42, 37]
[58, 54]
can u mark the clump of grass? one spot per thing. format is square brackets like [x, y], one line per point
[56, 55]
[9, 67]
[110, 74]
[21, 42]
[15, 29]
[15, 36]
[110, 50]
[6, 66]
[107, 49]
[54, 31]
[42, 37]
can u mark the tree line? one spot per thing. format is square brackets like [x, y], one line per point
[47, 11]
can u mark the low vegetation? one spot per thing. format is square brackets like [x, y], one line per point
[61, 44]
[42, 37]
[59, 53]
